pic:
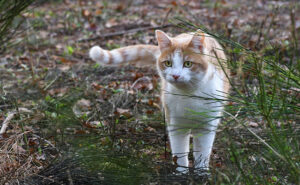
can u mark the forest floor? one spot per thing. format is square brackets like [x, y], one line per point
[65, 108]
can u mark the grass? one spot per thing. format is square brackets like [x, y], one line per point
[10, 20]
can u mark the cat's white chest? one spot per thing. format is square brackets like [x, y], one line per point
[196, 106]
[181, 105]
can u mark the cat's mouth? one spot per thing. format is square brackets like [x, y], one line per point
[172, 80]
[178, 82]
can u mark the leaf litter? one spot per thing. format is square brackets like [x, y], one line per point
[50, 73]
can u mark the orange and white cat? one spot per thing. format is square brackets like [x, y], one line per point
[192, 77]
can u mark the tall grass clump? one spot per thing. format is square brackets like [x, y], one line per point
[260, 127]
[10, 19]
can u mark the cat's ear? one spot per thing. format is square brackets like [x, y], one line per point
[198, 43]
[163, 40]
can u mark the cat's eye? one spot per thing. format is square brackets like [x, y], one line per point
[187, 64]
[168, 63]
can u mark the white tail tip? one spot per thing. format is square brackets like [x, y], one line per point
[96, 53]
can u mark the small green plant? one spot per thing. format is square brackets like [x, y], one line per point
[111, 46]
[97, 65]
[70, 50]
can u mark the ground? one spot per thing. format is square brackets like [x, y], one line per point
[68, 108]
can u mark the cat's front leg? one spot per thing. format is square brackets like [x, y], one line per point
[180, 140]
[203, 140]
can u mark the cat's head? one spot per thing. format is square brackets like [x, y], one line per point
[182, 59]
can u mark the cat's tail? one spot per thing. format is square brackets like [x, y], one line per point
[140, 55]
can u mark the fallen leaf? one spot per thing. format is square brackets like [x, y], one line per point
[137, 75]
[113, 84]
[78, 132]
[150, 102]
[65, 60]
[64, 68]
[18, 149]
[32, 142]
[120, 7]
[86, 13]
[156, 105]
[93, 26]
[58, 91]
[219, 164]
[98, 12]
[111, 22]
[96, 123]
[88, 125]
[124, 112]
[252, 124]
[174, 3]
[149, 129]
[82, 107]
[130, 92]
[43, 34]
[97, 86]
[144, 83]
[149, 112]
[82, 2]
[131, 130]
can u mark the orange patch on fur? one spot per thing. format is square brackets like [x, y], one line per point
[163, 57]
[199, 62]
[110, 58]
[123, 54]
[202, 38]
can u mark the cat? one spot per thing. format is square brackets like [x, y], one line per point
[192, 68]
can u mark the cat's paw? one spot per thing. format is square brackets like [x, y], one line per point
[182, 170]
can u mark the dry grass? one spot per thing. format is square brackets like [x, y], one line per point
[19, 157]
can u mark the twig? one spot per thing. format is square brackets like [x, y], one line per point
[166, 17]
[293, 31]
[12, 153]
[6, 121]
[124, 32]
[46, 141]
[261, 30]
[10, 117]
[48, 178]
[32, 71]
[45, 88]
[140, 79]
[270, 25]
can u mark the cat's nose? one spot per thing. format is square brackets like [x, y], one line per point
[175, 76]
